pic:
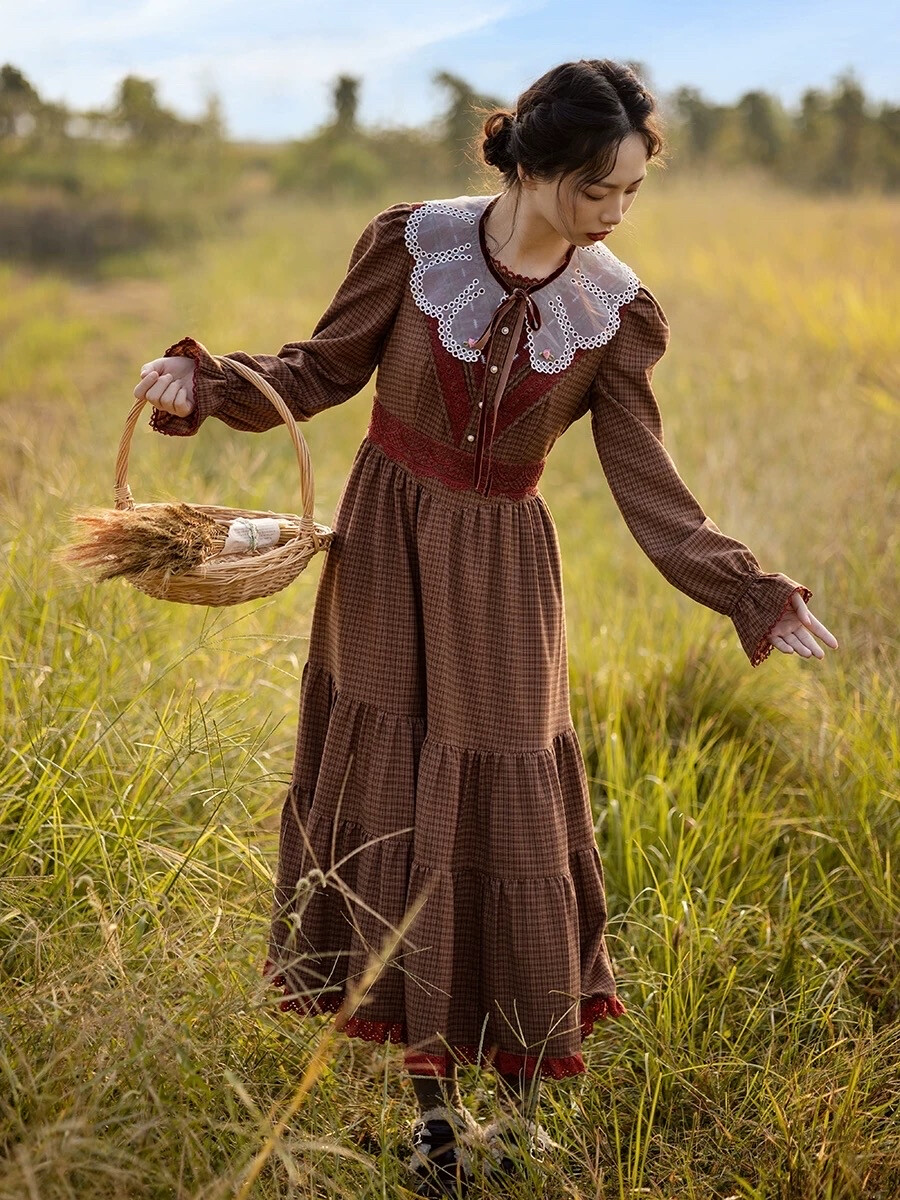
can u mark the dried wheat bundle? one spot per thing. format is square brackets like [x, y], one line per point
[198, 553]
[165, 538]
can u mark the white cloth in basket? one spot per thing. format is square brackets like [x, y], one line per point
[246, 534]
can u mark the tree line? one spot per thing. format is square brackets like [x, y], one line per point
[81, 188]
[834, 138]
[135, 114]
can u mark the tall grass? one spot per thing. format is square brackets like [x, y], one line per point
[747, 819]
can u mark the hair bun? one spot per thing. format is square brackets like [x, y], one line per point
[499, 138]
[571, 121]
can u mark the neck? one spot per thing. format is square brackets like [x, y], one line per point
[521, 238]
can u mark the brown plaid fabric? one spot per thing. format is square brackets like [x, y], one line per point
[438, 793]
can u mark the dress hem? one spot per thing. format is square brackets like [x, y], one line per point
[592, 1009]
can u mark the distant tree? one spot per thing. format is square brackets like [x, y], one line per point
[761, 128]
[138, 111]
[345, 96]
[52, 123]
[701, 120]
[464, 115]
[848, 109]
[812, 120]
[813, 133]
[19, 103]
[212, 123]
[887, 126]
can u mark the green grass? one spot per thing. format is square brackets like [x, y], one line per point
[747, 820]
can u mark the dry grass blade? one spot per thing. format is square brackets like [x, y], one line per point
[170, 538]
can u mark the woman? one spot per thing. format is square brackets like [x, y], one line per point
[437, 771]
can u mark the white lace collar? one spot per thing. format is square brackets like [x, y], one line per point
[452, 281]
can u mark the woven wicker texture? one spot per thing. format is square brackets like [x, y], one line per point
[234, 578]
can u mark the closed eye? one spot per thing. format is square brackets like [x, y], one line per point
[628, 192]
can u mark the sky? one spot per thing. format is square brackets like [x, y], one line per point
[273, 62]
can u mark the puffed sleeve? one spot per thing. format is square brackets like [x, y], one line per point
[332, 365]
[667, 521]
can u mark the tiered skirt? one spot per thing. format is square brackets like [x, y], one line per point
[437, 827]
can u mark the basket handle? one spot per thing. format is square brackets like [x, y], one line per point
[123, 496]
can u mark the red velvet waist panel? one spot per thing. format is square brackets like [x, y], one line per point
[425, 455]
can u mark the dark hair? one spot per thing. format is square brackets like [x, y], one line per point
[572, 120]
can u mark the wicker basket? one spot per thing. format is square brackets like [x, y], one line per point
[231, 579]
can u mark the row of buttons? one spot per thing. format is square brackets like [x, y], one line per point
[470, 437]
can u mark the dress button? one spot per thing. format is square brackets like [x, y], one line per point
[505, 329]
[480, 403]
[470, 437]
[494, 369]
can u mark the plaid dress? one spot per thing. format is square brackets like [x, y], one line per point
[438, 795]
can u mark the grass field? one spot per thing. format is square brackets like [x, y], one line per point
[748, 820]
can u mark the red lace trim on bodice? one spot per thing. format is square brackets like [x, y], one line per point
[424, 455]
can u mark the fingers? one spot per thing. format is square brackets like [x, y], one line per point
[800, 639]
[164, 392]
[813, 623]
[820, 631]
[147, 381]
[801, 642]
[804, 643]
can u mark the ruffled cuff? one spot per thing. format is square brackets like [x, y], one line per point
[761, 605]
[210, 384]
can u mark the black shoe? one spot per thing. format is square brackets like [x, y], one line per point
[514, 1142]
[441, 1164]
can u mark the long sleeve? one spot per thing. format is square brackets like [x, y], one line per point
[667, 521]
[332, 365]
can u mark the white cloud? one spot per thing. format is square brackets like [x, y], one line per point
[276, 49]
[271, 61]
[304, 58]
[77, 22]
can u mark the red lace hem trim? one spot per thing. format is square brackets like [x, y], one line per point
[593, 1008]
[425, 455]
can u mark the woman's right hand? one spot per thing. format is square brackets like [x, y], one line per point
[168, 383]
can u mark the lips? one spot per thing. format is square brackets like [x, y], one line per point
[596, 237]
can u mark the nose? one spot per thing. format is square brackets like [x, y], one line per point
[612, 210]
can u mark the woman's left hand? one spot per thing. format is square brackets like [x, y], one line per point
[793, 634]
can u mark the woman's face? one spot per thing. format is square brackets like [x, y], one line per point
[583, 213]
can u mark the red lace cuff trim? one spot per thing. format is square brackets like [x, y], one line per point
[592, 1009]
[165, 422]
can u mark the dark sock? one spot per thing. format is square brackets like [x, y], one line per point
[433, 1091]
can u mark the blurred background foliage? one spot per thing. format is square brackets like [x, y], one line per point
[78, 189]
